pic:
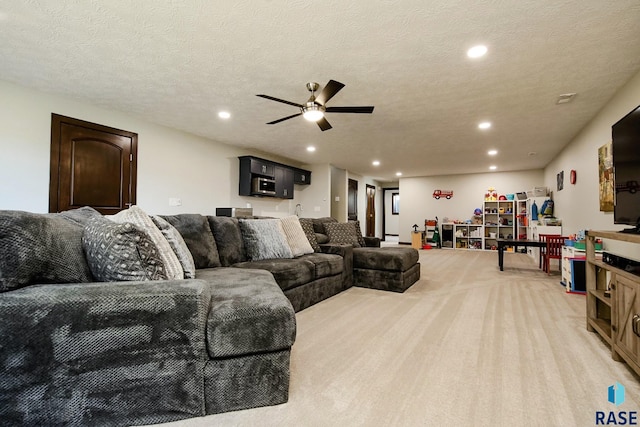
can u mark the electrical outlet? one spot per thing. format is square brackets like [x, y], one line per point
[174, 201]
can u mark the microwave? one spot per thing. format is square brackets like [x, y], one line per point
[266, 186]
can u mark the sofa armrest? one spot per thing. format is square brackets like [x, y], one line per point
[141, 341]
[372, 242]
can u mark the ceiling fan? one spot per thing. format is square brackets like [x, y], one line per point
[314, 109]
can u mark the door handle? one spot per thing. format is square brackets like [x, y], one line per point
[635, 321]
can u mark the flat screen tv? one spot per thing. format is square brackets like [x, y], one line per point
[626, 170]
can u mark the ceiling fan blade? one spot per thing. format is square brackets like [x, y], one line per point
[365, 110]
[329, 91]
[284, 118]
[324, 124]
[280, 100]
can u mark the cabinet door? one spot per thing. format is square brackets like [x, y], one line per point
[259, 167]
[301, 177]
[284, 182]
[627, 308]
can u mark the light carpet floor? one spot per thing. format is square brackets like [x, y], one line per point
[466, 345]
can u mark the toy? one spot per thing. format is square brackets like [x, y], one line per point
[491, 195]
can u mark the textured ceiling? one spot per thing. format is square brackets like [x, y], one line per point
[178, 63]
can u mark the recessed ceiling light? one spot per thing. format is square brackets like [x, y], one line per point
[375, 163]
[484, 125]
[565, 98]
[492, 167]
[224, 114]
[311, 148]
[492, 152]
[477, 51]
[398, 173]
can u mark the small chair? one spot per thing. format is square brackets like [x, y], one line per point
[553, 251]
[542, 250]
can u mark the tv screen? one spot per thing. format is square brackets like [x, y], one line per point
[626, 169]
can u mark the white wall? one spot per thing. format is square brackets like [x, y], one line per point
[578, 205]
[339, 194]
[392, 222]
[418, 203]
[171, 163]
[315, 198]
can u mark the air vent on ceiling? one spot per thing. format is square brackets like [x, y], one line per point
[565, 98]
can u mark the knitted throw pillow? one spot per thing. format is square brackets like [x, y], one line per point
[117, 252]
[140, 219]
[296, 237]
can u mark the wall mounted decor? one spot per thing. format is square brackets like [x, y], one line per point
[560, 180]
[605, 177]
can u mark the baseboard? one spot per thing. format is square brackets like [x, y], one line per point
[391, 234]
[404, 243]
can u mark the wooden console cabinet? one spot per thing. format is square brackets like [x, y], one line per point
[616, 318]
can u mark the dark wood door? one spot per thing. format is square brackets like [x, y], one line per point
[371, 211]
[91, 165]
[352, 200]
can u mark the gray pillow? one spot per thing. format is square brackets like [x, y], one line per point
[307, 227]
[195, 230]
[321, 238]
[226, 231]
[178, 246]
[342, 232]
[40, 249]
[117, 252]
[264, 239]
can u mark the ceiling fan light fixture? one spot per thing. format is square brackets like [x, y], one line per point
[312, 112]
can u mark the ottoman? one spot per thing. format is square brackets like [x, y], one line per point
[387, 269]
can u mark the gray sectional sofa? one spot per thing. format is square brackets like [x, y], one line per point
[74, 351]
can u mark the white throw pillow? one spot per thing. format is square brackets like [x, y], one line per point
[140, 219]
[296, 237]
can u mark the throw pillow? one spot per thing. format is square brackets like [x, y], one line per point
[40, 249]
[140, 219]
[342, 232]
[307, 227]
[296, 237]
[195, 230]
[178, 245]
[117, 252]
[264, 239]
[359, 233]
[226, 231]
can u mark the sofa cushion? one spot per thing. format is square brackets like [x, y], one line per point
[342, 233]
[226, 231]
[390, 259]
[296, 236]
[289, 273]
[264, 239]
[117, 252]
[136, 216]
[322, 238]
[318, 224]
[194, 229]
[249, 314]
[179, 247]
[325, 265]
[41, 248]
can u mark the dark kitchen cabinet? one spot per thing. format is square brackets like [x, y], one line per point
[284, 182]
[258, 174]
